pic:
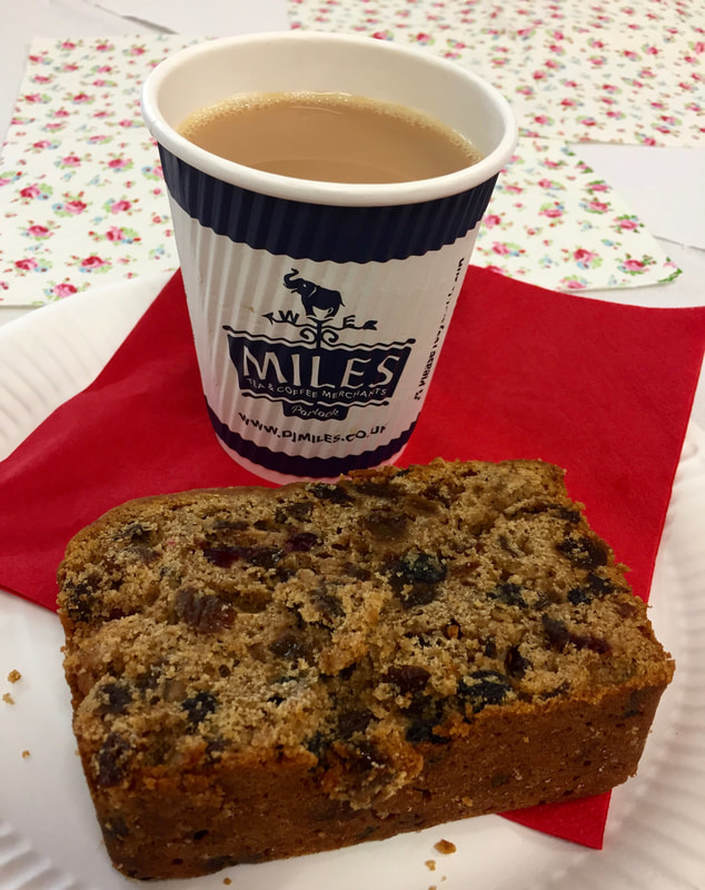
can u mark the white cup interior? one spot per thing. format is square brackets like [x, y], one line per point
[310, 61]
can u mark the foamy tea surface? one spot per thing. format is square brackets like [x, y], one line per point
[331, 137]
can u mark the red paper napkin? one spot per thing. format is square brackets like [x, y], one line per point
[602, 389]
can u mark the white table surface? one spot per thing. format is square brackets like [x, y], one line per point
[650, 851]
[665, 186]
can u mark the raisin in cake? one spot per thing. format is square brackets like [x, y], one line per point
[259, 673]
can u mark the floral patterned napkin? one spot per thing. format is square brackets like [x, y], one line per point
[613, 72]
[552, 221]
[82, 199]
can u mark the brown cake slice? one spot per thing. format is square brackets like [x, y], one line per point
[259, 673]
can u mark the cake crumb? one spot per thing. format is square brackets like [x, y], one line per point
[445, 847]
[25, 754]
[227, 881]
[14, 676]
[430, 864]
[8, 699]
[433, 887]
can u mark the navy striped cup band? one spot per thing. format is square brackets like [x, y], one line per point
[319, 231]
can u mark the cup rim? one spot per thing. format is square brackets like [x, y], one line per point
[318, 191]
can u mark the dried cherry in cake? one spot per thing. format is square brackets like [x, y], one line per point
[484, 687]
[225, 556]
[290, 646]
[204, 612]
[556, 632]
[379, 488]
[408, 677]
[353, 721]
[301, 542]
[583, 551]
[199, 706]
[417, 566]
[386, 525]
[415, 577]
[114, 698]
[508, 593]
[335, 494]
[135, 533]
[80, 597]
[112, 760]
[328, 605]
[425, 714]
[515, 664]
[578, 595]
[296, 512]
[489, 647]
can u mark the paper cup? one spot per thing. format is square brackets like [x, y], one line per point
[319, 309]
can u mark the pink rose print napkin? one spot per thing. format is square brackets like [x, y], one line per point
[552, 221]
[630, 72]
[82, 198]
[602, 389]
[83, 202]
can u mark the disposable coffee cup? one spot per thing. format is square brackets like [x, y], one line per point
[319, 309]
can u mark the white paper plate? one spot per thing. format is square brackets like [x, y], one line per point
[49, 838]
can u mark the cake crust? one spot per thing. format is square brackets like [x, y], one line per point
[262, 673]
